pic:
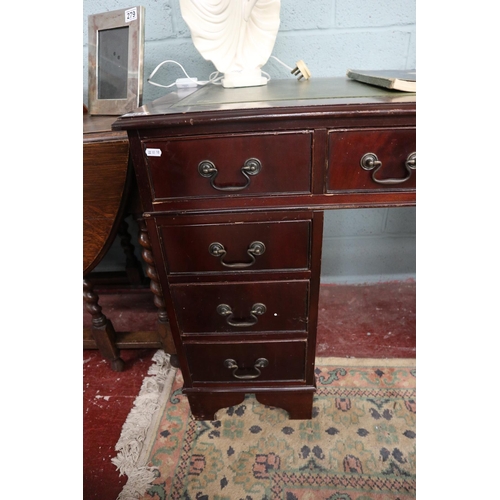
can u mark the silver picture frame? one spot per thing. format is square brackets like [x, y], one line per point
[116, 61]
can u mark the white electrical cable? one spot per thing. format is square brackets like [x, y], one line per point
[159, 66]
[281, 62]
[213, 78]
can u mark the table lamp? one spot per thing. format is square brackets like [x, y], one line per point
[238, 36]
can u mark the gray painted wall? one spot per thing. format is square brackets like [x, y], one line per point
[330, 36]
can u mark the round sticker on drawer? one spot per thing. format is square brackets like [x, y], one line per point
[153, 152]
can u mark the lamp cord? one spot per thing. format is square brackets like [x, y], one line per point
[213, 78]
[281, 62]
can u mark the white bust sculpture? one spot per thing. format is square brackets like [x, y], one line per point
[236, 35]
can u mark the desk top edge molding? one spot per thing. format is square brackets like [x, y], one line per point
[347, 97]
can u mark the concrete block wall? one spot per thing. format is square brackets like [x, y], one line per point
[369, 245]
[331, 36]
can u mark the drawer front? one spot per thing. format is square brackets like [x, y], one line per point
[218, 166]
[249, 246]
[385, 155]
[263, 306]
[244, 362]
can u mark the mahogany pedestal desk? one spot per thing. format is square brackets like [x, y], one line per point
[234, 184]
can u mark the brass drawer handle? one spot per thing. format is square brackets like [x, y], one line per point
[254, 249]
[257, 310]
[232, 365]
[251, 167]
[370, 161]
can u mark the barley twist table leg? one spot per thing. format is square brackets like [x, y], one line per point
[163, 325]
[132, 265]
[102, 328]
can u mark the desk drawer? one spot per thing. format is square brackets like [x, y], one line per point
[247, 362]
[263, 306]
[385, 155]
[225, 165]
[248, 246]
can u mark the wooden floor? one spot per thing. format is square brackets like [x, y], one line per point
[377, 320]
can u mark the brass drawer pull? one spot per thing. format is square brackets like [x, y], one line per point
[370, 161]
[254, 249]
[257, 310]
[232, 365]
[251, 167]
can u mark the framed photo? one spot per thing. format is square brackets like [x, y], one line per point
[116, 59]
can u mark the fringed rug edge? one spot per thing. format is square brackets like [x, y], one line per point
[138, 432]
[349, 361]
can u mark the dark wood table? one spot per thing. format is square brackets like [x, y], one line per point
[106, 182]
[234, 183]
[109, 194]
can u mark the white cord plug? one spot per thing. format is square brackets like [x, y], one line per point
[301, 70]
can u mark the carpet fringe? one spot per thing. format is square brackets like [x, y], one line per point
[351, 361]
[133, 442]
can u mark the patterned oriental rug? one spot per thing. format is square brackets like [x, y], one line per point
[359, 445]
